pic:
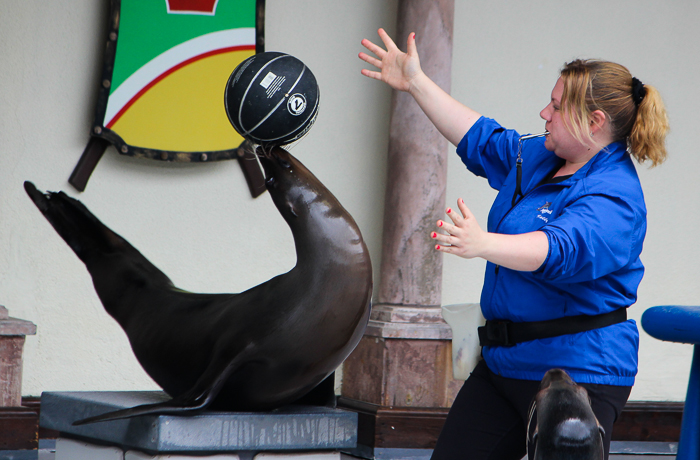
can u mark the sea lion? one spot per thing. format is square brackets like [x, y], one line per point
[256, 350]
[566, 426]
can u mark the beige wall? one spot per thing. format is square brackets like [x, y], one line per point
[198, 222]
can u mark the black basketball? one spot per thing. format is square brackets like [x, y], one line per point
[271, 99]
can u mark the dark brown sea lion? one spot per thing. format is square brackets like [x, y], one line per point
[256, 350]
[567, 428]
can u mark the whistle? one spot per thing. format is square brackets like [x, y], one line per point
[532, 136]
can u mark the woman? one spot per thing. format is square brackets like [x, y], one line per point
[562, 243]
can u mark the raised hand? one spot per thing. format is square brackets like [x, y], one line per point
[464, 237]
[396, 68]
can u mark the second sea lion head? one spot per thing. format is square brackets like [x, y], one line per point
[566, 427]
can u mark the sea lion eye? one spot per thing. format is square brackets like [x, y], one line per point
[270, 181]
[284, 164]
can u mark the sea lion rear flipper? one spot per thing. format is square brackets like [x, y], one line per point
[197, 398]
[178, 405]
[166, 407]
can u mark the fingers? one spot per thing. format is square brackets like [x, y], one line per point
[446, 243]
[443, 239]
[371, 74]
[371, 60]
[464, 209]
[446, 249]
[450, 230]
[411, 49]
[386, 39]
[456, 219]
[389, 44]
[450, 241]
[378, 51]
[454, 216]
[393, 66]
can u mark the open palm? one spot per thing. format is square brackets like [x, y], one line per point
[396, 68]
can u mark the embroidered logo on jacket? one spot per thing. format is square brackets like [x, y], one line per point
[544, 209]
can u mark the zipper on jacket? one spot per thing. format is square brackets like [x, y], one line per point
[518, 196]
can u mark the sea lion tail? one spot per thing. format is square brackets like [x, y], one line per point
[74, 222]
[166, 407]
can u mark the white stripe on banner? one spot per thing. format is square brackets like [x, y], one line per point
[171, 58]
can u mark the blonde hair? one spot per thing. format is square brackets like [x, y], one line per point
[591, 85]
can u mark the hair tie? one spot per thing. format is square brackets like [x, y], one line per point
[638, 91]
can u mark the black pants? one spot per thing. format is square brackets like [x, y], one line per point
[488, 420]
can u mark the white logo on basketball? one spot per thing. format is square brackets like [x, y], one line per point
[296, 104]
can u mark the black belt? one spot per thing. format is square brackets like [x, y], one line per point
[507, 333]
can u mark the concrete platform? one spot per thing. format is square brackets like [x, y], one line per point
[71, 449]
[294, 428]
[621, 450]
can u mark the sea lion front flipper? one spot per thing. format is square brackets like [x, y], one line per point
[197, 398]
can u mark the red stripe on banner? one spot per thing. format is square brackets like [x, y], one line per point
[162, 76]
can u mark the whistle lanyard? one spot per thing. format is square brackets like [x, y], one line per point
[519, 167]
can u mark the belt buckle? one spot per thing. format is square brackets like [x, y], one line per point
[497, 331]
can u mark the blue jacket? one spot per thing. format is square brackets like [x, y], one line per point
[595, 222]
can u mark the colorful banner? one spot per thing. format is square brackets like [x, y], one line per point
[165, 70]
[173, 58]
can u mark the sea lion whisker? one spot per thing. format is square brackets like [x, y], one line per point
[263, 151]
[531, 414]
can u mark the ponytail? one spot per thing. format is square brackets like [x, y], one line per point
[646, 140]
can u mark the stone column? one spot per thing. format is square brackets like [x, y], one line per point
[411, 270]
[12, 334]
[404, 359]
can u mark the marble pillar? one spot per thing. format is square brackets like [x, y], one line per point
[12, 335]
[404, 359]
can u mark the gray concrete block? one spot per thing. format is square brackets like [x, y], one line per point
[70, 449]
[305, 456]
[136, 455]
[290, 428]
